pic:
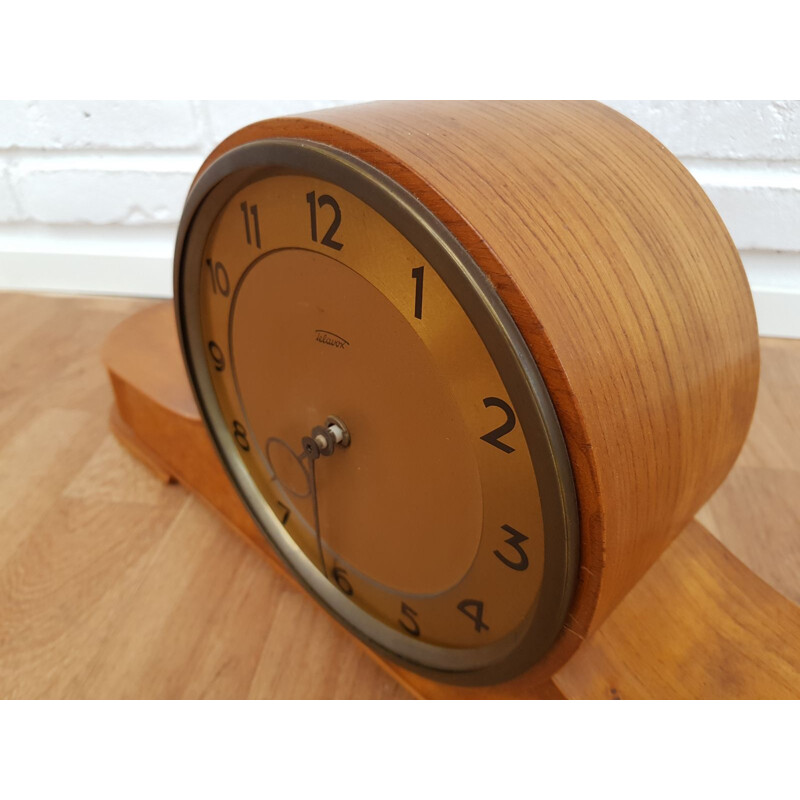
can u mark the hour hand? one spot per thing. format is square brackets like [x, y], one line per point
[322, 442]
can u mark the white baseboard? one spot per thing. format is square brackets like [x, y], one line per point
[82, 273]
[149, 274]
[778, 312]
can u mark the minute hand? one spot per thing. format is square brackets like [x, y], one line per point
[323, 441]
[312, 452]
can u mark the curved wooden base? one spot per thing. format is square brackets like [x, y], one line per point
[699, 624]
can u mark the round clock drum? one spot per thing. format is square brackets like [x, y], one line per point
[470, 366]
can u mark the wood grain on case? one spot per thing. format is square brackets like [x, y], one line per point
[623, 281]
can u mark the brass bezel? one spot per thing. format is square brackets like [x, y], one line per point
[500, 334]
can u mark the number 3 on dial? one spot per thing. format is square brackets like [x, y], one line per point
[515, 540]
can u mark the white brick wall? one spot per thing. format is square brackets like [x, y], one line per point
[90, 192]
[99, 125]
[9, 208]
[102, 191]
[721, 129]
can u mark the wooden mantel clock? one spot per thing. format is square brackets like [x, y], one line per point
[470, 367]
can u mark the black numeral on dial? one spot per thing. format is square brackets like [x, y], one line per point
[219, 278]
[474, 610]
[408, 620]
[340, 576]
[256, 229]
[285, 517]
[494, 436]
[240, 434]
[325, 200]
[515, 540]
[418, 274]
[217, 355]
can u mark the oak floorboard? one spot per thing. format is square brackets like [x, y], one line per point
[114, 584]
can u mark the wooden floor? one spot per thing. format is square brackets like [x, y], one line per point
[113, 584]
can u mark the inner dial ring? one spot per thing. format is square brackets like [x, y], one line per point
[403, 506]
[470, 346]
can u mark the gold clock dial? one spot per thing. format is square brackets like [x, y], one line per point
[311, 309]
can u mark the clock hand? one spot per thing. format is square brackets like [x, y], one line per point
[311, 451]
[322, 442]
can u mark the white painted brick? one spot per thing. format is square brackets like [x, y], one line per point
[101, 197]
[9, 210]
[735, 129]
[55, 125]
[227, 116]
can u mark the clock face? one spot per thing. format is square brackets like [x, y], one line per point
[377, 409]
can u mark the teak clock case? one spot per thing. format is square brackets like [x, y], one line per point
[624, 283]
[399, 451]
